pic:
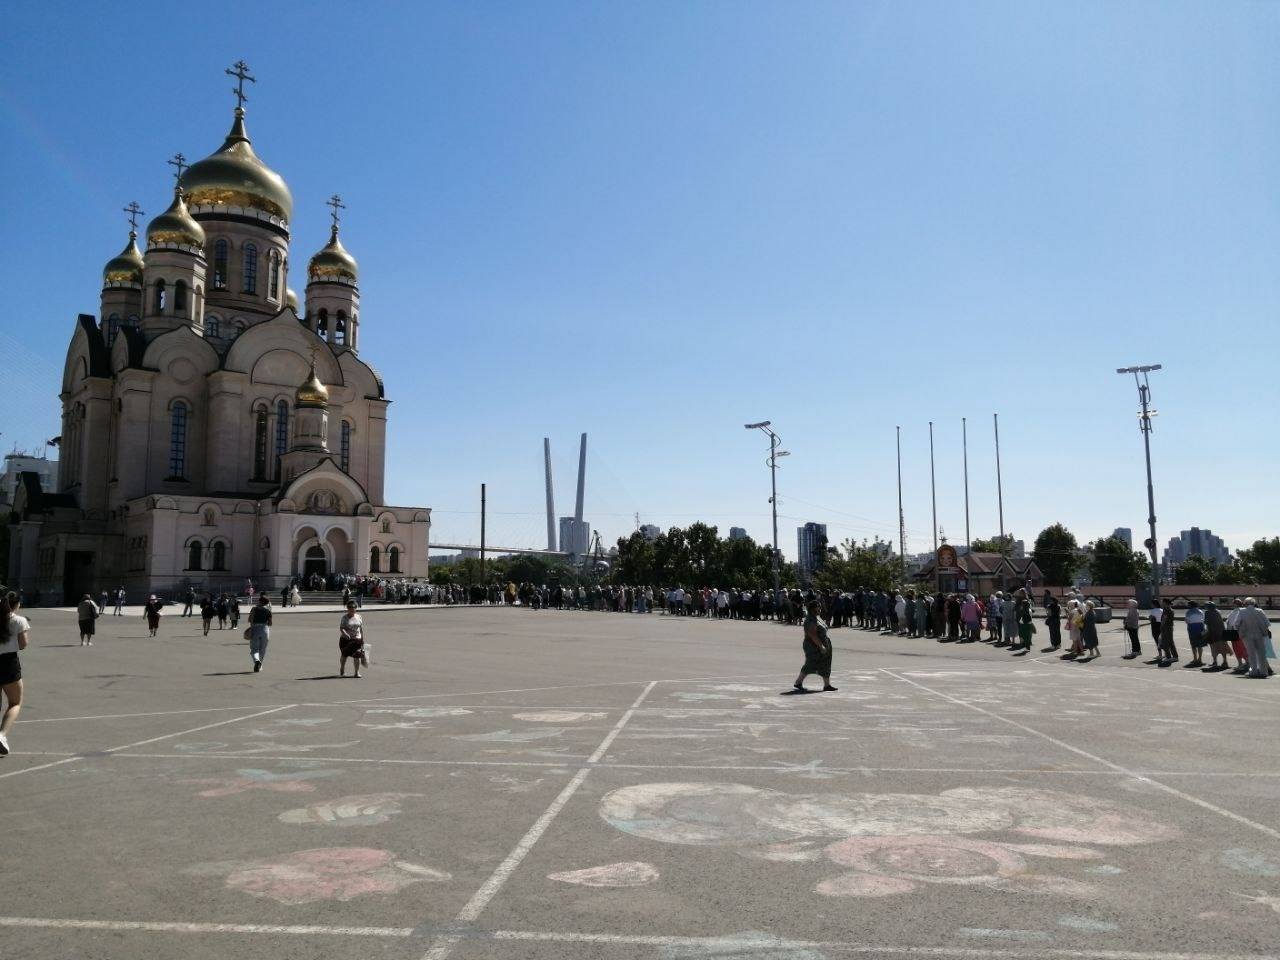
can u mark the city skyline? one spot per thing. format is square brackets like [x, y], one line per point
[877, 206]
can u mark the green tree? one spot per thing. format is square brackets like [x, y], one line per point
[1113, 563]
[1232, 572]
[1002, 546]
[1055, 555]
[1262, 561]
[1194, 570]
[853, 565]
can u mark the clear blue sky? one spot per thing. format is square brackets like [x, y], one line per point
[657, 221]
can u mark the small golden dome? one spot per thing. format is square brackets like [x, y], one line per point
[175, 227]
[333, 262]
[291, 299]
[312, 393]
[233, 176]
[126, 266]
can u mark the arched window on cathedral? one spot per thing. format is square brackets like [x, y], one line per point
[212, 327]
[219, 556]
[282, 432]
[160, 298]
[179, 297]
[220, 265]
[393, 560]
[273, 285]
[340, 329]
[375, 559]
[178, 441]
[113, 328]
[344, 447]
[250, 268]
[195, 556]
[264, 552]
[322, 325]
[260, 444]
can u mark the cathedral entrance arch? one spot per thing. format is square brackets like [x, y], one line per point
[315, 562]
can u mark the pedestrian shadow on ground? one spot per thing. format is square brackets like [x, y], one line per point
[229, 673]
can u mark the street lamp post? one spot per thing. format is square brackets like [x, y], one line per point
[774, 453]
[1144, 424]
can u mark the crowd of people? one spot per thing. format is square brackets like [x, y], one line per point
[1004, 619]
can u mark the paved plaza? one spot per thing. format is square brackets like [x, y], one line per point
[517, 785]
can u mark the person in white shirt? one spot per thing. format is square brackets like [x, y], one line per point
[1255, 629]
[13, 638]
[351, 641]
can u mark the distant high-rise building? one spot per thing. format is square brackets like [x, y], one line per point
[575, 536]
[651, 531]
[1194, 543]
[1017, 548]
[811, 548]
[737, 533]
[1125, 534]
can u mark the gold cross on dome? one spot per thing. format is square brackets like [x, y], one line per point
[240, 70]
[336, 203]
[134, 211]
[179, 163]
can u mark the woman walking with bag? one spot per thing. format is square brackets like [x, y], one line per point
[152, 611]
[1132, 623]
[351, 641]
[86, 613]
[13, 637]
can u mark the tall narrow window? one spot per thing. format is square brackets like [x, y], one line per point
[113, 328]
[220, 265]
[212, 327]
[195, 556]
[274, 287]
[159, 296]
[344, 447]
[178, 441]
[179, 297]
[219, 556]
[260, 445]
[282, 432]
[250, 268]
[393, 560]
[375, 559]
[322, 324]
[340, 329]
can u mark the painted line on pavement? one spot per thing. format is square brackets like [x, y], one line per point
[471, 911]
[1172, 791]
[748, 944]
[143, 743]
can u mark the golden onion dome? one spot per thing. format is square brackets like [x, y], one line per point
[312, 393]
[175, 227]
[126, 266]
[291, 299]
[333, 262]
[233, 176]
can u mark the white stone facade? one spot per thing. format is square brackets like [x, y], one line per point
[192, 452]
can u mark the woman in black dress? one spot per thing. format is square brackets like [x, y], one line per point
[817, 649]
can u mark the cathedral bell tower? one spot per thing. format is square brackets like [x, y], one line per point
[173, 287]
[333, 296]
[310, 441]
[122, 284]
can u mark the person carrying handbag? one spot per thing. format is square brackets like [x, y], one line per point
[351, 643]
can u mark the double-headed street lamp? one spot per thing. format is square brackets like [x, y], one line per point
[774, 453]
[1144, 424]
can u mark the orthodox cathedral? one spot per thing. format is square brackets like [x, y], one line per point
[214, 429]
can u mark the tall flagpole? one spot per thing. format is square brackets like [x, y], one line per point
[933, 489]
[902, 524]
[964, 428]
[995, 417]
